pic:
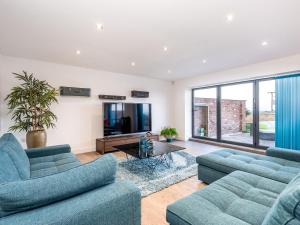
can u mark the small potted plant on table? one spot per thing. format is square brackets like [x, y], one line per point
[169, 133]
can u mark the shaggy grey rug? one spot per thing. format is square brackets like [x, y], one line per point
[151, 180]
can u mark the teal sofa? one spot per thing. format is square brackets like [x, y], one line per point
[49, 186]
[245, 189]
[278, 164]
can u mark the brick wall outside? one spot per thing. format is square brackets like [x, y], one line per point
[233, 115]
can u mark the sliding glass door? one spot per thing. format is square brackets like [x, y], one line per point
[205, 113]
[267, 112]
[239, 113]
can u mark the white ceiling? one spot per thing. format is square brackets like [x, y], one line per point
[137, 30]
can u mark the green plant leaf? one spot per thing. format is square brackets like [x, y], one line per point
[30, 102]
[169, 132]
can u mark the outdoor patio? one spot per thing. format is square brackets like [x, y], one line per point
[246, 138]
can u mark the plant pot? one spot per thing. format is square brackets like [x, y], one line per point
[169, 139]
[36, 139]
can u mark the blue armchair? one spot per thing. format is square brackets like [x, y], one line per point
[50, 186]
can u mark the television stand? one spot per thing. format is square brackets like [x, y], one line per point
[104, 145]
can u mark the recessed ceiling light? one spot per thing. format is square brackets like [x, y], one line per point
[99, 26]
[264, 43]
[132, 63]
[169, 71]
[165, 48]
[204, 61]
[77, 52]
[230, 17]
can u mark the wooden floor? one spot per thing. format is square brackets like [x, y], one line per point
[154, 206]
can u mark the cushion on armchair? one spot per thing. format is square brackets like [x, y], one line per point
[14, 161]
[48, 151]
[8, 171]
[23, 195]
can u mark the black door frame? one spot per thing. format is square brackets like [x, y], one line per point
[255, 83]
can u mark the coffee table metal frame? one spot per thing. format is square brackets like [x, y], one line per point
[162, 153]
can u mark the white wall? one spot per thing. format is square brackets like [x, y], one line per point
[1, 92]
[79, 118]
[182, 88]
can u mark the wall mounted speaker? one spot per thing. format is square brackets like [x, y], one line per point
[140, 94]
[75, 91]
[112, 97]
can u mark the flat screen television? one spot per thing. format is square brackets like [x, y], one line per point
[126, 118]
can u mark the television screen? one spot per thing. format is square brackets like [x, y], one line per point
[126, 118]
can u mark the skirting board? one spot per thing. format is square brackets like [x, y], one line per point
[83, 150]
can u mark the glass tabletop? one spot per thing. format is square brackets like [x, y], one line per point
[159, 148]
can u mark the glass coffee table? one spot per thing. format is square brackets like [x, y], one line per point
[161, 151]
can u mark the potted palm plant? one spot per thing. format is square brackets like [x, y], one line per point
[29, 103]
[169, 133]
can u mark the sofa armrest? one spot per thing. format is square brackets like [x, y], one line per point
[118, 203]
[27, 194]
[284, 153]
[46, 151]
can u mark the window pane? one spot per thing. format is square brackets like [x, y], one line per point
[205, 117]
[237, 113]
[267, 113]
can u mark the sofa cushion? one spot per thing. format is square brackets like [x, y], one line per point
[17, 163]
[47, 165]
[23, 195]
[229, 160]
[239, 198]
[286, 209]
